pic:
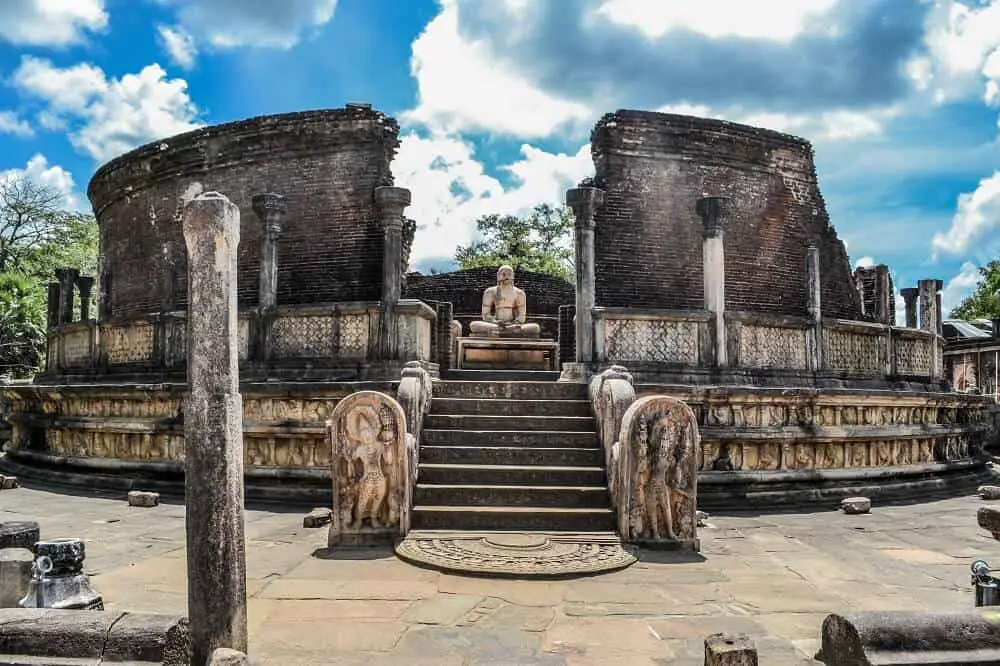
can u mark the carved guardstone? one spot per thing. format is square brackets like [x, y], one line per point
[371, 470]
[653, 474]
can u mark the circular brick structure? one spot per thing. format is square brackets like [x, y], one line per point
[326, 164]
[648, 237]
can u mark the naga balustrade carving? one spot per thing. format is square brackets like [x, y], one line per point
[653, 473]
[371, 456]
[611, 393]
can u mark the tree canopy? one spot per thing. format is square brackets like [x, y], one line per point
[37, 235]
[540, 241]
[984, 303]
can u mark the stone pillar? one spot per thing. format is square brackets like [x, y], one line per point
[815, 306]
[929, 313]
[391, 202]
[53, 305]
[86, 286]
[585, 201]
[213, 431]
[909, 295]
[67, 279]
[270, 208]
[714, 213]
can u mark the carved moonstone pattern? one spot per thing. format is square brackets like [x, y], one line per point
[371, 485]
[523, 555]
[654, 473]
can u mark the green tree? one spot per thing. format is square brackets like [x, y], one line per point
[984, 303]
[541, 241]
[22, 325]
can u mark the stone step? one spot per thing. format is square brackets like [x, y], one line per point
[509, 407]
[519, 423]
[543, 438]
[503, 375]
[498, 495]
[511, 455]
[515, 390]
[429, 517]
[511, 475]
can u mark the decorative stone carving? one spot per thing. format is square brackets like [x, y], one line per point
[653, 473]
[504, 310]
[372, 480]
[652, 341]
[611, 394]
[772, 347]
[414, 395]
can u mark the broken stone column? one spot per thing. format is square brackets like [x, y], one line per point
[213, 431]
[86, 286]
[930, 317]
[391, 202]
[584, 201]
[53, 305]
[270, 208]
[730, 650]
[59, 580]
[67, 279]
[815, 306]
[715, 213]
[909, 295]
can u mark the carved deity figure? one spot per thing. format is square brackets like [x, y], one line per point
[655, 472]
[366, 433]
[504, 310]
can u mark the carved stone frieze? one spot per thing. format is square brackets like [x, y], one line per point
[854, 353]
[772, 347]
[131, 343]
[651, 340]
[654, 473]
[372, 485]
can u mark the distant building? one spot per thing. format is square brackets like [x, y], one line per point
[971, 352]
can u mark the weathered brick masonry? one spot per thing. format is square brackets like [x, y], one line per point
[648, 238]
[327, 165]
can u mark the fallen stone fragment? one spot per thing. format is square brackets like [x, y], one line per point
[989, 519]
[8, 482]
[143, 498]
[21, 534]
[318, 518]
[702, 518]
[989, 492]
[15, 574]
[227, 657]
[730, 650]
[855, 505]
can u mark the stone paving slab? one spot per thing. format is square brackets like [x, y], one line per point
[774, 577]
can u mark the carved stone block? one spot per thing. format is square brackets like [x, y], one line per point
[317, 518]
[143, 499]
[730, 650]
[654, 473]
[372, 486]
[989, 492]
[8, 482]
[856, 505]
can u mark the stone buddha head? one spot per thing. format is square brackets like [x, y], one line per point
[505, 276]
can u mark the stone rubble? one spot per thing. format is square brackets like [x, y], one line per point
[989, 492]
[143, 499]
[8, 482]
[317, 518]
[856, 505]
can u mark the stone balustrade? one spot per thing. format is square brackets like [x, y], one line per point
[339, 332]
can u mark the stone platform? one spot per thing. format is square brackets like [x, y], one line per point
[488, 353]
[516, 554]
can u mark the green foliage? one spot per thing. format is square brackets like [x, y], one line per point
[542, 241]
[984, 303]
[37, 236]
[22, 325]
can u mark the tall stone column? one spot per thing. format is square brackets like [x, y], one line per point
[53, 305]
[391, 202]
[814, 305]
[86, 286]
[909, 295]
[929, 310]
[585, 201]
[213, 431]
[270, 208]
[67, 280]
[715, 213]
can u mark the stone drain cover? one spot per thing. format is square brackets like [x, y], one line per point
[515, 554]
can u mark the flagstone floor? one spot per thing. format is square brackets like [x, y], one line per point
[773, 576]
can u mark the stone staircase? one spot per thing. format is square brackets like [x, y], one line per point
[511, 450]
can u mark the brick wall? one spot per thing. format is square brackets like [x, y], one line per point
[648, 238]
[327, 165]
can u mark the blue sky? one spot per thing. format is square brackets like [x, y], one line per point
[496, 98]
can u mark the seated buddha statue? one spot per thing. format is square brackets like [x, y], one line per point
[504, 310]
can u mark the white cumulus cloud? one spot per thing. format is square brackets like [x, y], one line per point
[864, 262]
[256, 23]
[50, 22]
[977, 214]
[451, 189]
[179, 45]
[108, 116]
[464, 86]
[11, 123]
[40, 172]
[959, 287]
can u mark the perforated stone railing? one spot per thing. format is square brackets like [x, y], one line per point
[335, 332]
[669, 337]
